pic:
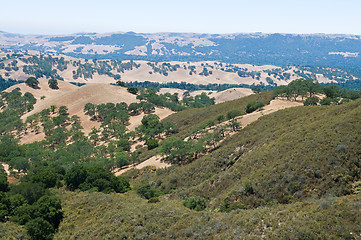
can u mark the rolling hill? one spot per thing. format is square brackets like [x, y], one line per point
[18, 66]
[335, 50]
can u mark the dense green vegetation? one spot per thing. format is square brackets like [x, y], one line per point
[31, 204]
[307, 88]
[12, 105]
[95, 179]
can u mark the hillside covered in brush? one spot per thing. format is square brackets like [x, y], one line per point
[292, 174]
[243, 168]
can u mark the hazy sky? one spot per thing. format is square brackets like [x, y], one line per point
[222, 16]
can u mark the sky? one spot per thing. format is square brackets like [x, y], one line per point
[198, 16]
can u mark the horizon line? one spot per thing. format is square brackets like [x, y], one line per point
[170, 32]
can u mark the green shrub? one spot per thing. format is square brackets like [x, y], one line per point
[152, 143]
[220, 118]
[32, 82]
[253, 106]
[196, 203]
[311, 101]
[326, 101]
[132, 90]
[234, 113]
[148, 192]
[53, 83]
[39, 229]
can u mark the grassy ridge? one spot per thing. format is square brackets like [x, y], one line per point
[187, 120]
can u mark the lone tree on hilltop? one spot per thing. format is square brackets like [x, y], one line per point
[32, 82]
[53, 83]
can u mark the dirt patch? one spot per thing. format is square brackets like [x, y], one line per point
[155, 161]
[6, 168]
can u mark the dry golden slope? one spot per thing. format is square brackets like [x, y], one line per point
[222, 96]
[75, 98]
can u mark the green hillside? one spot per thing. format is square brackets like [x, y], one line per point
[289, 175]
[291, 155]
[101, 216]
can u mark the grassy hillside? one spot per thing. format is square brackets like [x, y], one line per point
[101, 216]
[190, 119]
[291, 155]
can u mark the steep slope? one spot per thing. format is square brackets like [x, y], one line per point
[288, 156]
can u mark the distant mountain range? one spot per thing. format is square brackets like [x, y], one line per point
[254, 48]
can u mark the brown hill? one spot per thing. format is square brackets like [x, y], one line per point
[75, 98]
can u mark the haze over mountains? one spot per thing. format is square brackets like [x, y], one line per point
[334, 50]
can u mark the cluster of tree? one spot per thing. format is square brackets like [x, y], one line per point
[164, 68]
[193, 87]
[53, 83]
[205, 72]
[97, 179]
[108, 112]
[12, 66]
[4, 84]
[204, 138]
[307, 88]
[13, 104]
[85, 70]
[300, 87]
[44, 66]
[32, 82]
[336, 74]
[172, 101]
[103, 67]
[151, 127]
[31, 204]
[137, 108]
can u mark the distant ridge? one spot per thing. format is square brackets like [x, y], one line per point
[281, 49]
